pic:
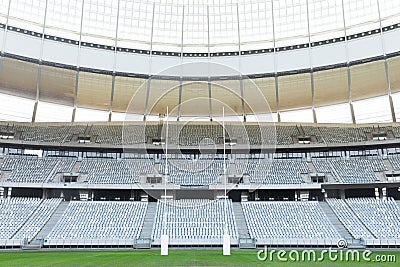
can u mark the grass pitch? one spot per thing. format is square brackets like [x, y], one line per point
[149, 258]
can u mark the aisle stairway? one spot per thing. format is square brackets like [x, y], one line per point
[53, 220]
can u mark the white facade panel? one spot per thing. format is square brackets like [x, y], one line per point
[257, 63]
[96, 58]
[23, 45]
[293, 60]
[51, 52]
[329, 54]
[365, 47]
[165, 65]
[132, 63]
[392, 41]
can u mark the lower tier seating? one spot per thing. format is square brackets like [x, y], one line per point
[194, 219]
[287, 220]
[100, 220]
[382, 217]
[14, 212]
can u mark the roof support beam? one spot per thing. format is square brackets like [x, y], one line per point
[6, 28]
[386, 65]
[114, 65]
[146, 112]
[275, 63]
[353, 117]
[240, 65]
[311, 65]
[78, 64]
[181, 66]
[39, 66]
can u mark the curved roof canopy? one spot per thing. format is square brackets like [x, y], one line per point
[199, 25]
[352, 80]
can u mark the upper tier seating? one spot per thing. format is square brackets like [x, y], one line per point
[285, 134]
[353, 170]
[100, 220]
[123, 134]
[253, 134]
[29, 169]
[194, 219]
[313, 131]
[344, 134]
[112, 171]
[275, 171]
[395, 162]
[194, 172]
[287, 220]
[195, 133]
[57, 134]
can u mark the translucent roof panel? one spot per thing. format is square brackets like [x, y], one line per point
[27, 14]
[200, 25]
[3, 10]
[100, 21]
[290, 17]
[361, 15]
[56, 21]
[255, 24]
[326, 19]
[390, 12]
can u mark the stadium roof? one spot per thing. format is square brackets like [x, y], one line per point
[199, 25]
[313, 60]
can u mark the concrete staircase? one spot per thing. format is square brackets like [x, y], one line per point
[240, 220]
[311, 166]
[388, 165]
[335, 221]
[55, 217]
[76, 166]
[148, 220]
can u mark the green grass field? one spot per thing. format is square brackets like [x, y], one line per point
[149, 258]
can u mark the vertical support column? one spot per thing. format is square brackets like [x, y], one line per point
[386, 65]
[377, 193]
[6, 28]
[45, 193]
[311, 65]
[145, 113]
[240, 65]
[384, 193]
[181, 57]
[209, 62]
[75, 93]
[114, 65]
[112, 96]
[275, 64]
[210, 97]
[353, 118]
[39, 66]
[342, 194]
[179, 98]
[78, 64]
